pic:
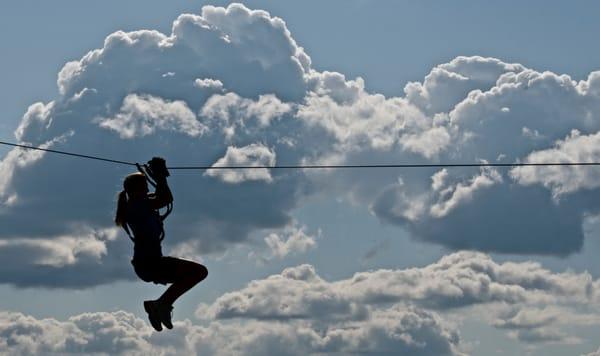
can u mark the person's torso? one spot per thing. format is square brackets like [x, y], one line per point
[146, 227]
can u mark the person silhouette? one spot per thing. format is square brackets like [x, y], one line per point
[138, 213]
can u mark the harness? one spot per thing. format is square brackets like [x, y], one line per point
[162, 217]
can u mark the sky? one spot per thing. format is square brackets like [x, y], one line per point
[419, 262]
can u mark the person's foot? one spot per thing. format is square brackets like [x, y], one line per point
[152, 308]
[165, 313]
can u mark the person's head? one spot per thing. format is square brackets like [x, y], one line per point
[135, 186]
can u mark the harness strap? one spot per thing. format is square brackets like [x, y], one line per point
[169, 210]
[128, 232]
[162, 218]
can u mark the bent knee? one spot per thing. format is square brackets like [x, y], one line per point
[200, 272]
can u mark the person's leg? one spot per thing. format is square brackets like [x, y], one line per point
[186, 275]
[183, 275]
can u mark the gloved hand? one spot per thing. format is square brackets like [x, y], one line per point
[157, 168]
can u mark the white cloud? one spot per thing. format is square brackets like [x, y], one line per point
[550, 106]
[297, 293]
[541, 325]
[527, 319]
[254, 155]
[404, 330]
[397, 330]
[458, 115]
[34, 122]
[532, 304]
[207, 83]
[448, 84]
[14, 161]
[22, 334]
[84, 258]
[141, 115]
[437, 180]
[277, 104]
[298, 312]
[460, 193]
[116, 102]
[8, 166]
[106, 333]
[361, 121]
[292, 240]
[269, 47]
[428, 143]
[457, 280]
[56, 252]
[233, 111]
[542, 335]
[563, 179]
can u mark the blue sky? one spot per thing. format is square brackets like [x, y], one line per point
[337, 223]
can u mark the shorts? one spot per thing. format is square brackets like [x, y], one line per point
[160, 270]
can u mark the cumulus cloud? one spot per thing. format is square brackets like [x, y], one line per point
[541, 325]
[402, 330]
[233, 111]
[359, 121]
[469, 109]
[106, 333]
[457, 280]
[486, 121]
[254, 155]
[447, 84]
[143, 94]
[455, 195]
[527, 319]
[36, 119]
[531, 303]
[292, 240]
[563, 179]
[9, 166]
[141, 115]
[56, 252]
[297, 293]
[298, 312]
[77, 260]
[231, 85]
[208, 83]
[541, 335]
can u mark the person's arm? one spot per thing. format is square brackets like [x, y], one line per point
[157, 169]
[162, 196]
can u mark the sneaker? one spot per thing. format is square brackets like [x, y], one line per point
[165, 312]
[152, 308]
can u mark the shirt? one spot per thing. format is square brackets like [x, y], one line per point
[146, 227]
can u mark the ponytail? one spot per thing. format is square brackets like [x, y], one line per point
[121, 214]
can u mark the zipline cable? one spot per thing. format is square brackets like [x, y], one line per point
[67, 153]
[329, 166]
